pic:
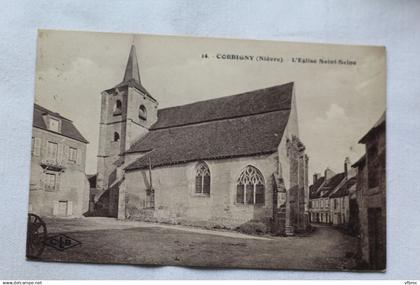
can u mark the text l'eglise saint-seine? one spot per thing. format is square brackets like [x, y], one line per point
[276, 59]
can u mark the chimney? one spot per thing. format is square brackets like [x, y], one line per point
[316, 177]
[347, 166]
[328, 173]
[348, 170]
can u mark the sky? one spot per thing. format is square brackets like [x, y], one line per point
[336, 104]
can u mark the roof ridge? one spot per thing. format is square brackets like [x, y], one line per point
[228, 96]
[217, 119]
[42, 108]
[68, 129]
[278, 97]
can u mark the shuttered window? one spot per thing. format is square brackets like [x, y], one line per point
[37, 146]
[52, 150]
[72, 154]
[50, 181]
[79, 156]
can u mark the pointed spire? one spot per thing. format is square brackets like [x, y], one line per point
[132, 69]
[132, 74]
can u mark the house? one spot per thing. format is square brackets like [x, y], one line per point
[58, 183]
[227, 161]
[340, 202]
[371, 196]
[330, 196]
[319, 195]
[343, 196]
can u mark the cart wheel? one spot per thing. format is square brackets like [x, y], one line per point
[36, 236]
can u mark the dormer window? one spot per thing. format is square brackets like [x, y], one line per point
[53, 125]
[142, 112]
[117, 108]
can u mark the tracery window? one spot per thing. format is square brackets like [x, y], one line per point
[250, 187]
[202, 179]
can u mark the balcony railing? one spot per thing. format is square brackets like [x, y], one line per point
[52, 164]
[50, 188]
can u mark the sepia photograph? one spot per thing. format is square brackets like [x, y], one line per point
[207, 152]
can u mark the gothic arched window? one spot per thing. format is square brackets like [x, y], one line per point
[142, 112]
[250, 187]
[202, 179]
[116, 137]
[117, 108]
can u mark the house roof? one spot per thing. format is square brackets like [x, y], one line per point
[332, 183]
[313, 189]
[344, 189]
[378, 125]
[326, 188]
[247, 124]
[67, 127]
[360, 162]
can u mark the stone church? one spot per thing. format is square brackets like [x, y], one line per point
[225, 161]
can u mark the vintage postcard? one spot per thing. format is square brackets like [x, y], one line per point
[207, 152]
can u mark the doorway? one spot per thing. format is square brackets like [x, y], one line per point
[376, 239]
[62, 208]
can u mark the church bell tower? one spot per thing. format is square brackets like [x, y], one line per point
[127, 112]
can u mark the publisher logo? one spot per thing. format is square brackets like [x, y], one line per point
[61, 242]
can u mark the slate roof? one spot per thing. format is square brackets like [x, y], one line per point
[255, 102]
[360, 162]
[247, 124]
[67, 127]
[313, 189]
[344, 189]
[328, 186]
[132, 74]
[378, 125]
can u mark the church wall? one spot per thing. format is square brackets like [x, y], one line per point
[137, 127]
[177, 202]
[126, 123]
[109, 150]
[293, 169]
[290, 131]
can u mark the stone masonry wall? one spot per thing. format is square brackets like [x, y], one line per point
[176, 200]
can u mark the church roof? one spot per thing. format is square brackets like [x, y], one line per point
[247, 124]
[132, 74]
[254, 102]
[67, 127]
